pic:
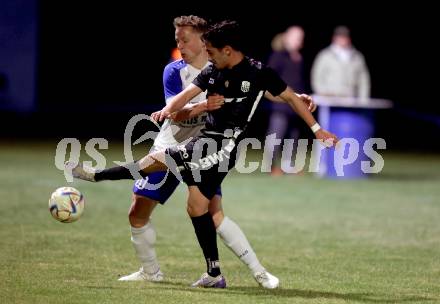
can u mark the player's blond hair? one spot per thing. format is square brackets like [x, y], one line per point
[197, 23]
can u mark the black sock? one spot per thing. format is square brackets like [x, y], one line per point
[207, 237]
[118, 172]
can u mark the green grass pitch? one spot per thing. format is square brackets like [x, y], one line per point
[365, 241]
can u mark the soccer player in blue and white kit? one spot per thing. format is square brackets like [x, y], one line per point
[177, 76]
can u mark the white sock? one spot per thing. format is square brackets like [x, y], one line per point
[143, 240]
[235, 239]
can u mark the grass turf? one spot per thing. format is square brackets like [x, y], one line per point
[364, 241]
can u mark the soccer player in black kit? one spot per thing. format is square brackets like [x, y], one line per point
[238, 83]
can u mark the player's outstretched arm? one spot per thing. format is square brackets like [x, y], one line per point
[298, 105]
[177, 102]
[308, 100]
[189, 111]
[213, 102]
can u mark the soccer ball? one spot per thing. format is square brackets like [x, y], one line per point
[66, 204]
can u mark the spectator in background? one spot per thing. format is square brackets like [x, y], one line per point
[287, 61]
[277, 42]
[340, 69]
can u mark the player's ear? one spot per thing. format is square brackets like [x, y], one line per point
[227, 50]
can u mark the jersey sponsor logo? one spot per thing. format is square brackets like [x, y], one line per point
[245, 85]
[191, 165]
[208, 161]
[195, 121]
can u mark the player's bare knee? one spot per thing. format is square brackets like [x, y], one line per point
[195, 210]
[191, 211]
[197, 203]
[217, 218]
[140, 211]
[135, 220]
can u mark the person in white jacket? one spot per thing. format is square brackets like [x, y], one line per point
[340, 69]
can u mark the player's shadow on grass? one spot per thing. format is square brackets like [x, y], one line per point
[314, 294]
[406, 176]
[297, 293]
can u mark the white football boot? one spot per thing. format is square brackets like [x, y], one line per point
[143, 276]
[80, 171]
[266, 280]
[207, 281]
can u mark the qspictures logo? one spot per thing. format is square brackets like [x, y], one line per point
[293, 153]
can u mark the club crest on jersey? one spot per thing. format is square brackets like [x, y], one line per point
[226, 83]
[211, 81]
[245, 85]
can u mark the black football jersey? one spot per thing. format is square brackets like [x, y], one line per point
[243, 86]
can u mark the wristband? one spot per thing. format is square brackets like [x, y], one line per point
[315, 127]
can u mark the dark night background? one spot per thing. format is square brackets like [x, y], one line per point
[95, 65]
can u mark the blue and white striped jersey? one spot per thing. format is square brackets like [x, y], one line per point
[177, 75]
